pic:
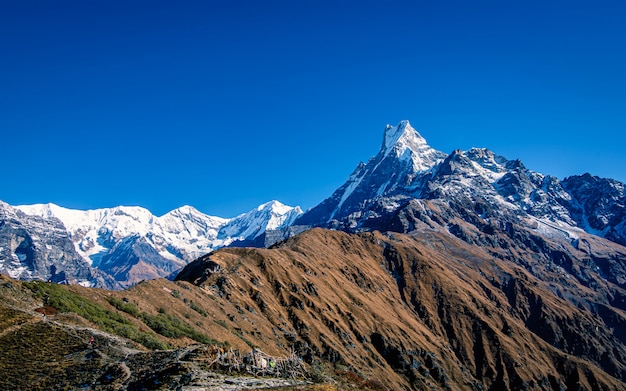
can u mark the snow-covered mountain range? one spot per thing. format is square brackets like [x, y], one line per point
[405, 186]
[130, 244]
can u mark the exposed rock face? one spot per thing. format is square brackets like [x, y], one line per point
[133, 259]
[599, 205]
[429, 310]
[32, 247]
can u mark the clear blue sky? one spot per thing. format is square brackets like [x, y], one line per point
[224, 105]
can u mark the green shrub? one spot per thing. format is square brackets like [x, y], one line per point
[63, 300]
[172, 327]
[129, 308]
[222, 323]
[198, 309]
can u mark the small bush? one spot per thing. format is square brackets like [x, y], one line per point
[129, 308]
[222, 323]
[318, 372]
[198, 309]
[172, 327]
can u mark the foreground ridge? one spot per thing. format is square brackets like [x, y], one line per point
[424, 310]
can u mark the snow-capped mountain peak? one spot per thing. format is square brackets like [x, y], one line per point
[404, 142]
[189, 213]
[277, 208]
[184, 210]
[400, 137]
[403, 156]
[269, 216]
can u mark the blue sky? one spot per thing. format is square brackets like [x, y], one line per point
[224, 105]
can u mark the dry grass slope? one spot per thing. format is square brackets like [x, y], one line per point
[413, 311]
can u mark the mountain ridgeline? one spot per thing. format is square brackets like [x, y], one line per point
[425, 270]
[118, 247]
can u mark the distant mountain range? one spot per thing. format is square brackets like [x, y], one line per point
[117, 247]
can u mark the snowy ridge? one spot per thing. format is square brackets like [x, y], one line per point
[269, 216]
[105, 237]
[183, 233]
[353, 182]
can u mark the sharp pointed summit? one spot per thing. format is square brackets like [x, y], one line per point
[404, 154]
[404, 142]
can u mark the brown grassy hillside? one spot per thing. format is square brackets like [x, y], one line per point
[421, 311]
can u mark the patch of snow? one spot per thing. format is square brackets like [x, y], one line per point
[15, 269]
[353, 182]
[555, 229]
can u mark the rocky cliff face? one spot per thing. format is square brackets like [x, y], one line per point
[598, 205]
[32, 247]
